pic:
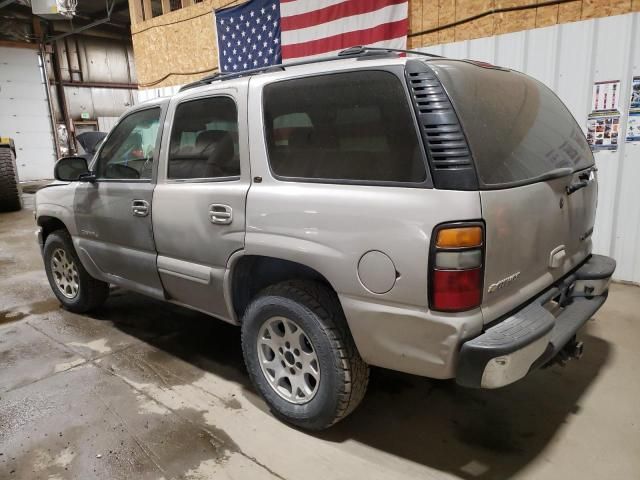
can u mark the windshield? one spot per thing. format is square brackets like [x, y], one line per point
[517, 128]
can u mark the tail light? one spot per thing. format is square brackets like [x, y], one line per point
[456, 267]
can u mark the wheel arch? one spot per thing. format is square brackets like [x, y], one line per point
[249, 274]
[50, 224]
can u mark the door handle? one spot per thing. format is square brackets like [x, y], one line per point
[140, 208]
[220, 214]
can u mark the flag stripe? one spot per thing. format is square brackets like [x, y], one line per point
[389, 14]
[344, 40]
[296, 7]
[399, 43]
[340, 10]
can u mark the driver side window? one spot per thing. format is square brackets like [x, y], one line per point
[130, 150]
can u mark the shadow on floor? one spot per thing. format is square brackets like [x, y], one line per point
[480, 434]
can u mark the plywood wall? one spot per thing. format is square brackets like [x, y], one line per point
[180, 46]
[430, 14]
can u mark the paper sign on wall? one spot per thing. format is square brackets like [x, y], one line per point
[633, 122]
[606, 96]
[603, 123]
[602, 132]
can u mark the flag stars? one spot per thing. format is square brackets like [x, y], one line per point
[262, 10]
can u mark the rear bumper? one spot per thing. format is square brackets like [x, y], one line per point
[532, 336]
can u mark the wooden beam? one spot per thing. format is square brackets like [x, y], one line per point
[187, 3]
[12, 44]
[135, 11]
[166, 6]
[148, 12]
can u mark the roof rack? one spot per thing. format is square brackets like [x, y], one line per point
[351, 52]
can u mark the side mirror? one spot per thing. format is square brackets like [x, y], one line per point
[70, 169]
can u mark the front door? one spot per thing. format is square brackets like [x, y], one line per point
[199, 202]
[113, 214]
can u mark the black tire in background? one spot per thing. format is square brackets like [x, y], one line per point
[10, 198]
[343, 374]
[91, 293]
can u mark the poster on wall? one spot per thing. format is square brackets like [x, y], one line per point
[603, 123]
[633, 122]
[603, 130]
[606, 96]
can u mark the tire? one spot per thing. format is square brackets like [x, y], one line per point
[342, 374]
[10, 198]
[89, 293]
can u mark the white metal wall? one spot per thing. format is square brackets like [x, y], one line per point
[105, 124]
[569, 58]
[24, 112]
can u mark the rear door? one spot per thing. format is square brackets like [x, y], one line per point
[537, 185]
[199, 202]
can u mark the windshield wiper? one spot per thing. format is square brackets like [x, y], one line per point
[585, 179]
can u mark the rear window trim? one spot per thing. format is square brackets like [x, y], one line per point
[398, 72]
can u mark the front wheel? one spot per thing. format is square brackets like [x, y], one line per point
[300, 354]
[77, 290]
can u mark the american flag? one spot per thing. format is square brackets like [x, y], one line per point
[260, 33]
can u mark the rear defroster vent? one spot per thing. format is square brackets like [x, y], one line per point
[448, 151]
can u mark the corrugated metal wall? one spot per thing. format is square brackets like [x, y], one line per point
[97, 60]
[569, 58]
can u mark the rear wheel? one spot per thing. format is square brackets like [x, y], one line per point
[300, 354]
[77, 290]
[10, 198]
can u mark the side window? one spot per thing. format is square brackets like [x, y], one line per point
[130, 150]
[347, 126]
[204, 140]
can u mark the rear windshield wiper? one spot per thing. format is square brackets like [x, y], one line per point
[585, 179]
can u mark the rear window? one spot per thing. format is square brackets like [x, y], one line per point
[517, 128]
[354, 126]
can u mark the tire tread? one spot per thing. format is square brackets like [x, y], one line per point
[96, 292]
[324, 303]
[9, 188]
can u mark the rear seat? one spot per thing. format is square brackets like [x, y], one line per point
[212, 156]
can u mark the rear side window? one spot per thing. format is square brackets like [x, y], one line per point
[517, 128]
[204, 140]
[354, 126]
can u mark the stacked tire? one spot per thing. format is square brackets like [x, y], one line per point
[10, 195]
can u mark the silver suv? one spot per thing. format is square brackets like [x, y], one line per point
[416, 213]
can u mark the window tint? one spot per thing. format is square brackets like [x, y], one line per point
[204, 140]
[129, 152]
[517, 128]
[346, 126]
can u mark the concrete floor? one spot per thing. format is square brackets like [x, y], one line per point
[148, 390]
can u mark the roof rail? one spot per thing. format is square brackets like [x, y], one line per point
[351, 52]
